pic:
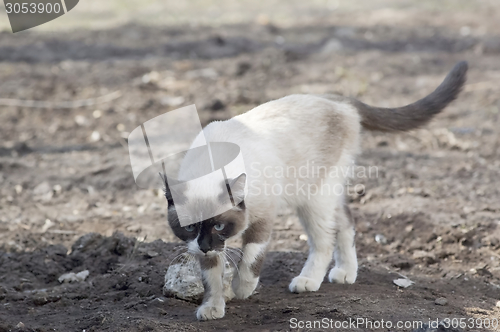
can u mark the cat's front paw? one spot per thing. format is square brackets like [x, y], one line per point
[302, 284]
[342, 275]
[209, 311]
[244, 288]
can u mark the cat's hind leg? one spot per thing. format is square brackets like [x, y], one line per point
[317, 217]
[346, 263]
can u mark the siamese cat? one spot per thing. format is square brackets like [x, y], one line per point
[291, 133]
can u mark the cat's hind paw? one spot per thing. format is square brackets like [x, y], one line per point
[243, 289]
[302, 284]
[341, 276]
[209, 311]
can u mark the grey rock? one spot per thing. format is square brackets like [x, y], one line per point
[74, 277]
[379, 238]
[41, 298]
[183, 281]
[441, 301]
[42, 188]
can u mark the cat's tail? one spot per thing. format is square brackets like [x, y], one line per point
[417, 114]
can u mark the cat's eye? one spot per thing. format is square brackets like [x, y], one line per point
[189, 228]
[219, 227]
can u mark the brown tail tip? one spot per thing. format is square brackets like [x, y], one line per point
[418, 113]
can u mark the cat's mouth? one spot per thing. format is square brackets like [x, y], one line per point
[209, 253]
[212, 253]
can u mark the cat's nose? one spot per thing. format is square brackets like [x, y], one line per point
[204, 247]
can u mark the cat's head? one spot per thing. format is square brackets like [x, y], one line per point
[208, 237]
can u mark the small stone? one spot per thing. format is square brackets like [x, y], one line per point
[48, 223]
[498, 304]
[57, 188]
[20, 325]
[151, 78]
[379, 238]
[95, 136]
[97, 114]
[403, 282]
[42, 188]
[41, 298]
[152, 254]
[172, 101]
[74, 277]
[120, 127]
[19, 189]
[441, 301]
[81, 120]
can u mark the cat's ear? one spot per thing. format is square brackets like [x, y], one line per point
[166, 190]
[237, 187]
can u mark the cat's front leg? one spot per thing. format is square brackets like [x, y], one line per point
[255, 241]
[213, 307]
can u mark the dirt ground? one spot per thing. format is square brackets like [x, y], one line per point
[68, 202]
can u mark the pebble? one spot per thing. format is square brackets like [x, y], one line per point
[379, 238]
[95, 136]
[441, 301]
[152, 254]
[41, 298]
[97, 114]
[172, 101]
[74, 277]
[19, 189]
[42, 188]
[81, 120]
[403, 282]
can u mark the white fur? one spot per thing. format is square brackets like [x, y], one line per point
[295, 132]
[194, 248]
[245, 282]
[214, 306]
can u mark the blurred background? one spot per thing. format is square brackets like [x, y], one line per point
[106, 67]
[72, 90]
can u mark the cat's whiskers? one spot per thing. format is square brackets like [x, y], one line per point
[231, 259]
[178, 249]
[178, 257]
[239, 254]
